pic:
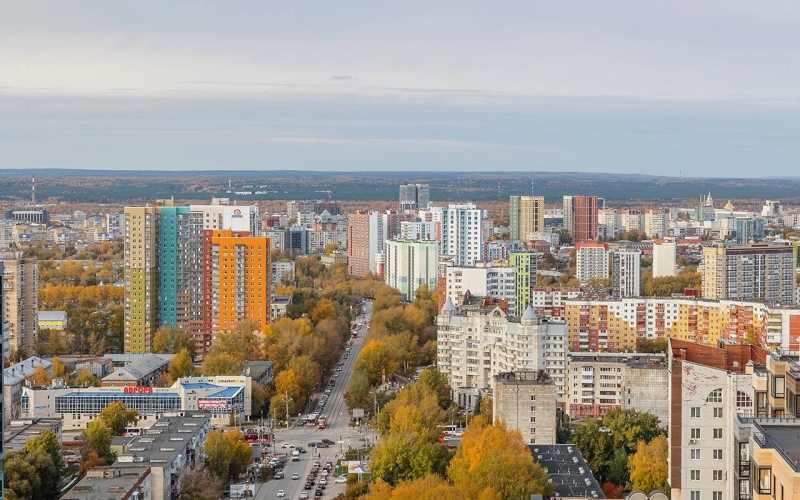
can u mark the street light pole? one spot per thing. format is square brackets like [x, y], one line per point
[287, 410]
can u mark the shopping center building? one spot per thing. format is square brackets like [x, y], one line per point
[220, 396]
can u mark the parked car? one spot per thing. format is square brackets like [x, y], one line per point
[328, 441]
[340, 479]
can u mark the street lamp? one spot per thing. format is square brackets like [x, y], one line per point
[287, 410]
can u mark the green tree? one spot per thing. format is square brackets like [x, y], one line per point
[375, 360]
[86, 378]
[436, 381]
[358, 390]
[228, 454]
[97, 440]
[49, 443]
[21, 477]
[618, 468]
[594, 445]
[169, 340]
[307, 372]
[403, 457]
[117, 416]
[648, 466]
[260, 398]
[628, 427]
[181, 365]
[49, 476]
[221, 364]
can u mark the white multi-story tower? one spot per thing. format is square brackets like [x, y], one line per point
[410, 264]
[592, 261]
[664, 258]
[484, 279]
[462, 233]
[626, 272]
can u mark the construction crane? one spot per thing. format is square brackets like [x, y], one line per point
[330, 194]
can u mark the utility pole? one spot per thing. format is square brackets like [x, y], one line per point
[287, 409]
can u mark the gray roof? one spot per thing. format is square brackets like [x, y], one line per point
[529, 314]
[138, 369]
[17, 372]
[52, 315]
[102, 483]
[449, 306]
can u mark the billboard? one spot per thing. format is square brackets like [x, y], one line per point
[356, 467]
[243, 491]
[212, 404]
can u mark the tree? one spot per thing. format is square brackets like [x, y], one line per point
[49, 476]
[97, 440]
[618, 467]
[307, 371]
[60, 370]
[612, 490]
[40, 377]
[492, 457]
[628, 427]
[594, 445]
[169, 340]
[49, 443]
[243, 342]
[20, 476]
[86, 378]
[652, 345]
[403, 456]
[415, 411]
[286, 383]
[375, 360]
[117, 416]
[227, 454]
[181, 365]
[648, 466]
[260, 397]
[436, 381]
[221, 364]
[430, 487]
[200, 484]
[358, 390]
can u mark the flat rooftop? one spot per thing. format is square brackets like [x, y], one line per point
[19, 431]
[102, 483]
[567, 470]
[785, 438]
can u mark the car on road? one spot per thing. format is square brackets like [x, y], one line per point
[328, 441]
[340, 479]
[278, 475]
[323, 481]
[303, 495]
[323, 445]
[295, 476]
[308, 486]
[281, 493]
[317, 493]
[287, 445]
[312, 445]
[301, 449]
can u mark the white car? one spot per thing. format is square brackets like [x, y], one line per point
[281, 493]
[323, 481]
[287, 445]
[340, 479]
[295, 476]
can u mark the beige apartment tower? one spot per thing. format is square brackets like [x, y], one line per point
[141, 277]
[750, 272]
[20, 300]
[526, 216]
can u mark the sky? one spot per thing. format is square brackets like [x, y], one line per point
[678, 88]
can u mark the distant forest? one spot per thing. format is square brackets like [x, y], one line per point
[87, 186]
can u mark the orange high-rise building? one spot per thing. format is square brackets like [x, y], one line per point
[584, 218]
[241, 282]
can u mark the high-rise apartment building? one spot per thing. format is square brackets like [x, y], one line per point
[584, 218]
[476, 343]
[750, 272]
[410, 264]
[141, 277]
[526, 401]
[625, 272]
[524, 264]
[664, 258]
[748, 230]
[168, 268]
[20, 300]
[241, 280]
[365, 237]
[484, 279]
[526, 216]
[566, 213]
[414, 196]
[462, 233]
[421, 230]
[656, 223]
[591, 261]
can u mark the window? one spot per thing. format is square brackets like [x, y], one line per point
[778, 387]
[695, 474]
[717, 475]
[717, 433]
[695, 454]
[714, 396]
[717, 495]
[717, 454]
[695, 433]
[694, 495]
[695, 412]
[717, 412]
[764, 480]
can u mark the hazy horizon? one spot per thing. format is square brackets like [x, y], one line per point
[659, 88]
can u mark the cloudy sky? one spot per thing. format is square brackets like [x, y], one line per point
[662, 87]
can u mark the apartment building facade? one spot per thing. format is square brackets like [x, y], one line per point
[484, 279]
[20, 300]
[411, 264]
[526, 216]
[626, 266]
[591, 261]
[527, 401]
[750, 272]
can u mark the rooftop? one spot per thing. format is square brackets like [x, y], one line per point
[138, 369]
[19, 431]
[633, 360]
[567, 470]
[729, 357]
[540, 377]
[785, 439]
[165, 440]
[102, 483]
[52, 315]
[17, 372]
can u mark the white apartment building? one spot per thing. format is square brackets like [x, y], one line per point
[551, 301]
[484, 279]
[592, 261]
[476, 344]
[420, 230]
[222, 215]
[664, 258]
[410, 264]
[656, 223]
[711, 390]
[463, 232]
[626, 272]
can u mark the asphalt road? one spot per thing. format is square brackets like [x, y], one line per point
[337, 430]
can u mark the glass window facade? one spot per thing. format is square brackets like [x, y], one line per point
[95, 402]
